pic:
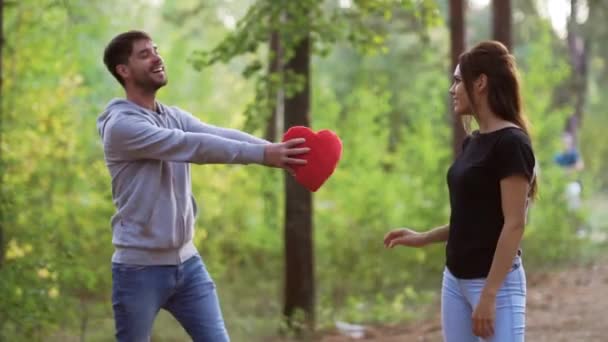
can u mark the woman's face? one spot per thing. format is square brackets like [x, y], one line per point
[460, 99]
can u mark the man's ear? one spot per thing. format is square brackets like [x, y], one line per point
[481, 83]
[122, 70]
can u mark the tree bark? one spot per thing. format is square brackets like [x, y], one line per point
[2, 204]
[271, 181]
[84, 320]
[299, 266]
[275, 121]
[579, 52]
[502, 22]
[457, 39]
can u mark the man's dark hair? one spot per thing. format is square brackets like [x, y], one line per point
[119, 49]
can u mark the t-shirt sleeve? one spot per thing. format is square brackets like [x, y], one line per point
[514, 156]
[465, 142]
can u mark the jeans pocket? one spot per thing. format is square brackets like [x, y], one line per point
[516, 263]
[516, 280]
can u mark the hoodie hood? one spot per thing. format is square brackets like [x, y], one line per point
[116, 106]
[111, 108]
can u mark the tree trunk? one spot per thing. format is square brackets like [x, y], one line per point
[457, 39]
[275, 121]
[271, 181]
[299, 269]
[84, 320]
[2, 205]
[501, 22]
[579, 50]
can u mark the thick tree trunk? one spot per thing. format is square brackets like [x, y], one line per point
[84, 320]
[457, 39]
[271, 181]
[502, 22]
[274, 125]
[579, 52]
[2, 206]
[299, 266]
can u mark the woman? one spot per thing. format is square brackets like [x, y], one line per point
[490, 184]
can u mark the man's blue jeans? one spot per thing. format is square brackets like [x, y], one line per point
[186, 291]
[460, 296]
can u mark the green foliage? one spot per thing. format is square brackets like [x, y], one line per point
[595, 155]
[362, 25]
[549, 235]
[371, 192]
[55, 180]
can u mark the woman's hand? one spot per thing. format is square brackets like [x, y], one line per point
[405, 237]
[484, 315]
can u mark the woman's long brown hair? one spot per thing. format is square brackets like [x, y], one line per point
[493, 59]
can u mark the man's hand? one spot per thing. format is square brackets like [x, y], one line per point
[280, 154]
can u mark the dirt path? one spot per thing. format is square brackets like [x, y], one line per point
[568, 305]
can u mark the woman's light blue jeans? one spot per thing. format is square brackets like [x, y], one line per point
[460, 296]
[186, 291]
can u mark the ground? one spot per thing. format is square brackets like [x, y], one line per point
[566, 305]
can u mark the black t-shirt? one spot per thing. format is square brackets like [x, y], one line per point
[476, 218]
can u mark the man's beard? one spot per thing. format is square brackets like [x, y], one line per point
[148, 84]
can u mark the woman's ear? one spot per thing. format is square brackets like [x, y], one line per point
[481, 83]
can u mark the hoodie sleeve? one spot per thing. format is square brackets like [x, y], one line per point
[130, 137]
[193, 124]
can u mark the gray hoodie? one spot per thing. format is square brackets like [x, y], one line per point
[148, 156]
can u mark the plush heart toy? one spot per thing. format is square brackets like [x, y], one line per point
[325, 152]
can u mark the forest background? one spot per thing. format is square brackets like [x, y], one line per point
[379, 72]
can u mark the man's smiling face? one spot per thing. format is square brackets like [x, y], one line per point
[145, 68]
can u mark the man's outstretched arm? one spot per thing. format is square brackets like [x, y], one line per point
[128, 137]
[193, 124]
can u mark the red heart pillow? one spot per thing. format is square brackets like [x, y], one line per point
[325, 152]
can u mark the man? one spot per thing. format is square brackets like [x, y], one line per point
[148, 147]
